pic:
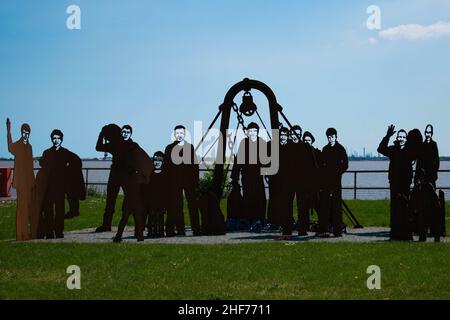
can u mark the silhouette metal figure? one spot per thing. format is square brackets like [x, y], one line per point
[235, 204]
[400, 178]
[297, 153]
[311, 178]
[113, 186]
[155, 195]
[429, 206]
[334, 162]
[23, 180]
[248, 165]
[133, 168]
[425, 206]
[428, 160]
[303, 166]
[183, 172]
[279, 211]
[309, 182]
[74, 185]
[213, 220]
[56, 163]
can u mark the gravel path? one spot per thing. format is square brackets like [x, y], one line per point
[369, 234]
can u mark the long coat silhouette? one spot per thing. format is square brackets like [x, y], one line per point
[74, 183]
[37, 203]
[425, 205]
[400, 178]
[297, 155]
[304, 172]
[310, 187]
[248, 164]
[311, 174]
[23, 182]
[55, 163]
[281, 190]
[279, 183]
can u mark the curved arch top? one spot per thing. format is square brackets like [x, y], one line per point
[226, 107]
[246, 85]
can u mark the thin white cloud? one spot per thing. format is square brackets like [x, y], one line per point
[372, 41]
[416, 31]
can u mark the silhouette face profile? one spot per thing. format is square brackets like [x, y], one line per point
[253, 134]
[57, 141]
[295, 137]
[157, 163]
[428, 133]
[284, 138]
[179, 134]
[308, 140]
[126, 134]
[332, 139]
[25, 136]
[401, 138]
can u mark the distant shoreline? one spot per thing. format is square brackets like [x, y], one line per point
[350, 159]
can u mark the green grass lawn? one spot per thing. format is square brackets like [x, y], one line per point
[244, 271]
[238, 271]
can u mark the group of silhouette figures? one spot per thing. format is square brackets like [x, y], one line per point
[41, 198]
[306, 174]
[420, 209]
[153, 187]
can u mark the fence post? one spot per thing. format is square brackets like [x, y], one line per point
[87, 178]
[354, 185]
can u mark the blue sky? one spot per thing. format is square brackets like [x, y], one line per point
[154, 64]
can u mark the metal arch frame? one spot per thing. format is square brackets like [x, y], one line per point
[225, 111]
[225, 108]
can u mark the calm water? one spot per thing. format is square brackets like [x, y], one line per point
[378, 180]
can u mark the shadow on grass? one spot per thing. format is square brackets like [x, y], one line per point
[369, 234]
[377, 234]
[261, 237]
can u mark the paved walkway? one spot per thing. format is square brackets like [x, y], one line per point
[7, 199]
[369, 234]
